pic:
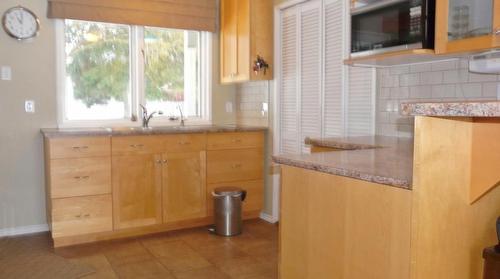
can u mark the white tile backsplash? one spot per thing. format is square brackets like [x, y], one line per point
[439, 81]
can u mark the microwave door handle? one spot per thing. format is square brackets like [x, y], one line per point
[375, 6]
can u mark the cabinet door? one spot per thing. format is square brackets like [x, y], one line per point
[184, 186]
[229, 40]
[467, 25]
[243, 27]
[136, 190]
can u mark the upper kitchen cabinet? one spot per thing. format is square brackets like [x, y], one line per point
[246, 40]
[467, 25]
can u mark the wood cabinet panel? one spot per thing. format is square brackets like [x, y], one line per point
[79, 147]
[246, 31]
[235, 165]
[184, 186]
[334, 227]
[184, 143]
[136, 145]
[221, 141]
[81, 215]
[80, 177]
[254, 200]
[136, 190]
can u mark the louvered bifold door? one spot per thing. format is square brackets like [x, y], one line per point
[288, 82]
[334, 68]
[310, 72]
[360, 102]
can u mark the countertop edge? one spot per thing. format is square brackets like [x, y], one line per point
[452, 109]
[109, 132]
[388, 181]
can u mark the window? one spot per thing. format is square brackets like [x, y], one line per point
[109, 70]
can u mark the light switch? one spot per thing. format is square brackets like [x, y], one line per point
[6, 73]
[29, 106]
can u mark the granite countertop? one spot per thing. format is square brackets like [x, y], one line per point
[138, 131]
[481, 108]
[378, 159]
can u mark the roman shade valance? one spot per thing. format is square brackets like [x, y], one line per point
[181, 14]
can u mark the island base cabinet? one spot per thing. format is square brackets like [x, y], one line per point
[334, 227]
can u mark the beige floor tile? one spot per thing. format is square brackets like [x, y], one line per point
[178, 256]
[144, 270]
[204, 273]
[125, 253]
[245, 267]
[201, 237]
[97, 262]
[102, 274]
[159, 239]
[220, 253]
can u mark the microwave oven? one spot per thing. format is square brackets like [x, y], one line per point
[391, 25]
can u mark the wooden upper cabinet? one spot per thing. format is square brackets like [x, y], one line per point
[246, 32]
[136, 190]
[184, 186]
[463, 26]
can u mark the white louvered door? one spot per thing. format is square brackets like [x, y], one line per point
[310, 72]
[318, 95]
[289, 136]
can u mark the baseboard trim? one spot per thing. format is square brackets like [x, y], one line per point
[24, 230]
[268, 218]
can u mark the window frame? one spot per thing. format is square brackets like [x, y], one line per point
[136, 84]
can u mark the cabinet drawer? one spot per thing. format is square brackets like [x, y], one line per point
[184, 142]
[81, 215]
[253, 202]
[136, 145]
[235, 165]
[221, 141]
[80, 177]
[79, 147]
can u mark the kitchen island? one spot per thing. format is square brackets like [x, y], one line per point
[371, 210]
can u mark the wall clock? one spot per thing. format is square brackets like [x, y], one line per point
[20, 23]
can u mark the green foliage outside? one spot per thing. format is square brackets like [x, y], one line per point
[99, 57]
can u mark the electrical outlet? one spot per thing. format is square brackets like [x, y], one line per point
[229, 107]
[6, 73]
[29, 106]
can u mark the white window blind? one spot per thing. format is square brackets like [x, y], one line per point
[318, 95]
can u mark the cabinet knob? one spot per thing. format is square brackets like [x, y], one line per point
[236, 166]
[159, 162]
[164, 161]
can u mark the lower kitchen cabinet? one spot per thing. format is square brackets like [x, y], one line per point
[184, 186]
[137, 190]
[108, 187]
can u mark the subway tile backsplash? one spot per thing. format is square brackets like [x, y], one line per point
[439, 81]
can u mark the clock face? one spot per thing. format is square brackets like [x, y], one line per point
[20, 23]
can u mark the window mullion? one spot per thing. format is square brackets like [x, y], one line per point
[137, 68]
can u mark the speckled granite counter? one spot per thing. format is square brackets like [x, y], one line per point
[137, 131]
[450, 109]
[378, 159]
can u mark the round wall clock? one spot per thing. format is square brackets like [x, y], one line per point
[20, 23]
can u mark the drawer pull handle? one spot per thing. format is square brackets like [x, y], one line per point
[236, 140]
[184, 143]
[236, 166]
[86, 177]
[78, 216]
[137, 145]
[80, 148]
[86, 215]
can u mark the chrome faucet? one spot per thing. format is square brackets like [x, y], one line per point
[182, 115]
[147, 117]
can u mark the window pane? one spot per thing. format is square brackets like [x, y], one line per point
[97, 70]
[172, 71]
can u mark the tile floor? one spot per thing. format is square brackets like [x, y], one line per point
[185, 254]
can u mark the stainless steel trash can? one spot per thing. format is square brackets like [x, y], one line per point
[227, 210]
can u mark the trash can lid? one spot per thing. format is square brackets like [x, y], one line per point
[228, 191]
